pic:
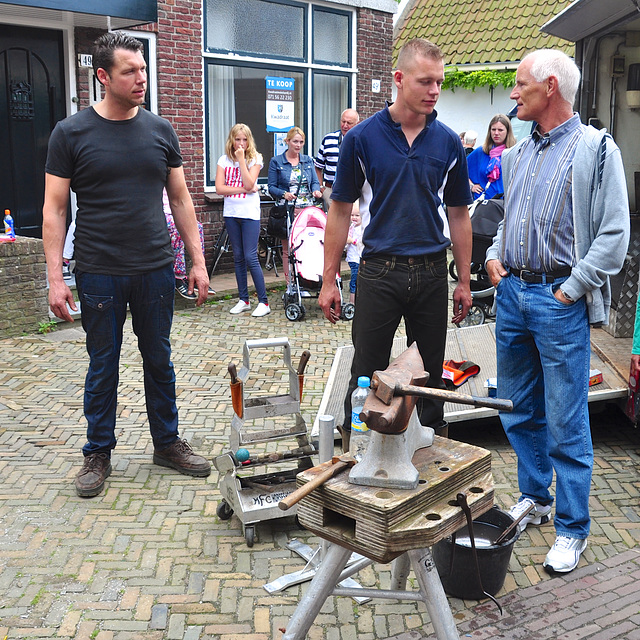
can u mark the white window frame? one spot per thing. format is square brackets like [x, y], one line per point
[307, 67]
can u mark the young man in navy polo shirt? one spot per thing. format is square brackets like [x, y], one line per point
[403, 165]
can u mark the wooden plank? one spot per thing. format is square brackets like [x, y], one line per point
[383, 523]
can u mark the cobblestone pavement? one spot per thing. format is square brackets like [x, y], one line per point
[150, 559]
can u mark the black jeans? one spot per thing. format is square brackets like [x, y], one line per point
[389, 289]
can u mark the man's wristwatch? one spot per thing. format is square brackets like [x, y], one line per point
[567, 297]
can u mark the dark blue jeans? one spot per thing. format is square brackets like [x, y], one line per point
[390, 289]
[104, 302]
[244, 234]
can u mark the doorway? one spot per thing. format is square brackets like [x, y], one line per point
[32, 100]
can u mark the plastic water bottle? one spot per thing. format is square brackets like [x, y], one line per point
[360, 433]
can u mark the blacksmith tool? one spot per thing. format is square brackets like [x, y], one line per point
[338, 464]
[236, 390]
[396, 432]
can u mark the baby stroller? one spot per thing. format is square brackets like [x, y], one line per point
[486, 215]
[306, 263]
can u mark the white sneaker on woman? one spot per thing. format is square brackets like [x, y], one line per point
[261, 310]
[240, 307]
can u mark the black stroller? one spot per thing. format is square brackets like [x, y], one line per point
[486, 215]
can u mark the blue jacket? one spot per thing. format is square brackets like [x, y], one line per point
[478, 162]
[280, 175]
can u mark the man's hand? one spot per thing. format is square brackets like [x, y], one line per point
[59, 296]
[335, 238]
[496, 271]
[462, 302]
[635, 366]
[199, 279]
[329, 301]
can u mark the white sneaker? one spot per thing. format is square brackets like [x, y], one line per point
[539, 515]
[564, 555]
[261, 310]
[240, 307]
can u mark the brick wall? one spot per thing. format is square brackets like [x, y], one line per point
[375, 39]
[181, 94]
[23, 286]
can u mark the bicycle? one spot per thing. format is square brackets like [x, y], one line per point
[222, 246]
[269, 250]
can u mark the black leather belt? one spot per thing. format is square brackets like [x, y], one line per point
[534, 277]
[427, 257]
[328, 183]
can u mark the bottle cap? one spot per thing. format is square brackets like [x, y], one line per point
[364, 381]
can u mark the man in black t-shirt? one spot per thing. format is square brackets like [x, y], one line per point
[117, 157]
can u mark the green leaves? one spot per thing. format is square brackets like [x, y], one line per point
[472, 79]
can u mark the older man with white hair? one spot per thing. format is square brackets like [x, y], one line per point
[565, 233]
[326, 162]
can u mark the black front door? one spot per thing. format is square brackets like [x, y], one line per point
[31, 102]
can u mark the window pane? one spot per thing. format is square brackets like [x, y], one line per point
[330, 99]
[238, 94]
[268, 29]
[331, 37]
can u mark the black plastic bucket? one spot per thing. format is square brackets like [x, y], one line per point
[461, 579]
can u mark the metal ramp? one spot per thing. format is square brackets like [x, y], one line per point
[477, 344]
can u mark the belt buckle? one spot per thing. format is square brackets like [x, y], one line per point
[528, 276]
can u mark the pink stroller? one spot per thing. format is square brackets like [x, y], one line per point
[306, 263]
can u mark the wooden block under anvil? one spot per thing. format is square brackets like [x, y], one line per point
[382, 524]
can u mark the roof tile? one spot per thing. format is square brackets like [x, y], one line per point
[486, 31]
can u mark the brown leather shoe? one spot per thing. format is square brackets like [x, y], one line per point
[95, 470]
[180, 456]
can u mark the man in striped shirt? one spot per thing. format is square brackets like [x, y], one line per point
[327, 159]
[565, 232]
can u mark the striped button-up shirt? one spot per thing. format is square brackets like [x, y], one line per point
[327, 158]
[538, 226]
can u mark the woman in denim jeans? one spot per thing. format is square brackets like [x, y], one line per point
[285, 184]
[237, 180]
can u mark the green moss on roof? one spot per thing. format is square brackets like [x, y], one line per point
[482, 32]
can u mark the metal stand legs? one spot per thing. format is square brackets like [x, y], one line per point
[319, 590]
[328, 575]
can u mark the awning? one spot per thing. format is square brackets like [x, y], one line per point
[116, 14]
[585, 18]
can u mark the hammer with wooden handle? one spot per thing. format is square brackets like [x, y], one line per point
[338, 464]
[236, 390]
[304, 358]
[386, 387]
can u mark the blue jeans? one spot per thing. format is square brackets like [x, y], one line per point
[388, 290]
[354, 266]
[244, 234]
[104, 302]
[543, 349]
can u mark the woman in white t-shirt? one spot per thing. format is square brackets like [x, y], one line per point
[237, 181]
